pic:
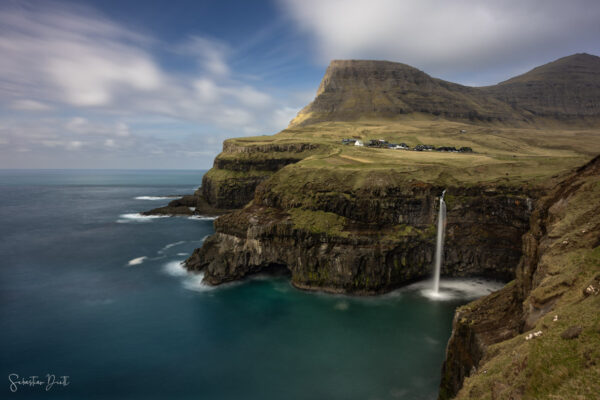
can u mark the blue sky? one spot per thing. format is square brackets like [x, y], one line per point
[160, 84]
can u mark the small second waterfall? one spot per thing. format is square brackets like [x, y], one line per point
[439, 246]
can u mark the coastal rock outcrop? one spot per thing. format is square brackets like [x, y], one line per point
[236, 172]
[334, 236]
[489, 354]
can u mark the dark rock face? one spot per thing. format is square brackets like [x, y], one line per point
[256, 238]
[494, 320]
[230, 193]
[387, 238]
[239, 169]
[521, 304]
[193, 204]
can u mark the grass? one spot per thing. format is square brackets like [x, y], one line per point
[219, 175]
[318, 222]
[503, 155]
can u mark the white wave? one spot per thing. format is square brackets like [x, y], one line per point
[154, 198]
[137, 217]
[174, 244]
[341, 306]
[137, 261]
[182, 254]
[175, 268]
[452, 289]
[192, 208]
[194, 282]
[168, 246]
[202, 218]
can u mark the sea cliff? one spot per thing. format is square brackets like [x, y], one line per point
[338, 235]
[538, 337]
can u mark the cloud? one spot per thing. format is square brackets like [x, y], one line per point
[83, 58]
[457, 37]
[211, 54]
[99, 84]
[29, 105]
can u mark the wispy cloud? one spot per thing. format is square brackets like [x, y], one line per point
[96, 82]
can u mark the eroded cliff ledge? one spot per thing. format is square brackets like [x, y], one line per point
[539, 337]
[348, 232]
[236, 172]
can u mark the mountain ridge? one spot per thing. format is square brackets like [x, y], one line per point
[567, 89]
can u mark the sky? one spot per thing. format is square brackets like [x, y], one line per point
[161, 84]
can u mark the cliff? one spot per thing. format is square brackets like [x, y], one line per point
[237, 171]
[345, 237]
[539, 337]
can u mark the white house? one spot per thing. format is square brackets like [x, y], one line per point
[358, 143]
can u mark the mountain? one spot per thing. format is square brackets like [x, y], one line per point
[566, 89]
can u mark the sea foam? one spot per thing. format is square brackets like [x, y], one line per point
[137, 261]
[194, 282]
[452, 289]
[137, 217]
[202, 218]
[175, 268]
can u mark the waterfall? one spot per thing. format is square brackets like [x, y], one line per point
[439, 246]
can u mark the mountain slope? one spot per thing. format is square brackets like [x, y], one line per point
[351, 89]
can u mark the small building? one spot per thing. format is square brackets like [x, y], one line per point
[358, 143]
[348, 141]
[463, 131]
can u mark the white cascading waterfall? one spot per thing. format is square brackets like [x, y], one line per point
[439, 246]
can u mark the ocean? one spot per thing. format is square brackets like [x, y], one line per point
[92, 292]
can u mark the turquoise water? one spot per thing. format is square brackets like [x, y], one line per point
[92, 292]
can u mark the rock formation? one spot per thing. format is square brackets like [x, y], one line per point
[489, 354]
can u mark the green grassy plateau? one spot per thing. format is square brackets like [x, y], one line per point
[502, 155]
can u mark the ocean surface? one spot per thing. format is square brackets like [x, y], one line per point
[92, 291]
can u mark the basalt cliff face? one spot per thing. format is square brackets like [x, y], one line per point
[538, 337]
[236, 173]
[335, 237]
